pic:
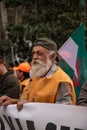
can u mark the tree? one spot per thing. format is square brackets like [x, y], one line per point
[48, 18]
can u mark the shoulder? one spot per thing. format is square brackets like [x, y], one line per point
[10, 77]
[84, 87]
[62, 73]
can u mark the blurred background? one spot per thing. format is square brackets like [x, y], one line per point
[22, 21]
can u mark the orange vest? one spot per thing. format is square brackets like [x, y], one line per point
[45, 89]
[23, 84]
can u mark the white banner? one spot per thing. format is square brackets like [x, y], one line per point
[43, 116]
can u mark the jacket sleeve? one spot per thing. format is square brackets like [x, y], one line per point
[82, 100]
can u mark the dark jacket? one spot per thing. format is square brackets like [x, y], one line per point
[9, 85]
[82, 100]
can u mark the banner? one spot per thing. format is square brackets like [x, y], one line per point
[43, 116]
[74, 58]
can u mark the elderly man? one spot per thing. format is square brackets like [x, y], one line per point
[48, 82]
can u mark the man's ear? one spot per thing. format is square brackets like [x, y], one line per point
[53, 56]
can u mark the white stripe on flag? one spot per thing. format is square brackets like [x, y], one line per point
[69, 52]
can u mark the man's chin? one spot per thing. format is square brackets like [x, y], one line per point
[40, 70]
[37, 74]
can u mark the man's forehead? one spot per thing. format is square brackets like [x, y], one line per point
[39, 48]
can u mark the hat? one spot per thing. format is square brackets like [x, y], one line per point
[25, 67]
[46, 43]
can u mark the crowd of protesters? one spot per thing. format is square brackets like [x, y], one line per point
[40, 81]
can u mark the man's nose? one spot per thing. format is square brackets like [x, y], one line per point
[35, 56]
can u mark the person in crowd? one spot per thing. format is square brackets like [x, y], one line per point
[9, 84]
[82, 100]
[48, 83]
[22, 73]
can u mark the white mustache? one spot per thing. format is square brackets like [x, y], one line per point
[36, 62]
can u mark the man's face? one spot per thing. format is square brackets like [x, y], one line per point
[19, 75]
[41, 62]
[40, 53]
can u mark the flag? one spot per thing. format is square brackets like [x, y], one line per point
[66, 52]
[74, 58]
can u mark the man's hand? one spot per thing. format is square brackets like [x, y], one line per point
[5, 100]
[20, 104]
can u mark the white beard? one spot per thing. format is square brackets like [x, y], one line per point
[39, 68]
